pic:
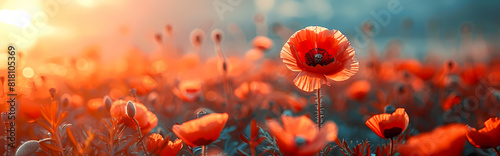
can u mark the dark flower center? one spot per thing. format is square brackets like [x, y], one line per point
[390, 133]
[300, 141]
[318, 56]
[202, 141]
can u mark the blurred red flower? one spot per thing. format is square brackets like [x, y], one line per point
[188, 90]
[159, 146]
[318, 53]
[472, 74]
[201, 131]
[147, 120]
[389, 125]
[300, 136]
[254, 88]
[451, 101]
[358, 90]
[488, 137]
[444, 140]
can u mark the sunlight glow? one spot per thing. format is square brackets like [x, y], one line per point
[19, 18]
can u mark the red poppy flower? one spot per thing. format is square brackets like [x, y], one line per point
[201, 131]
[143, 84]
[451, 101]
[319, 54]
[472, 74]
[488, 137]
[358, 90]
[147, 120]
[160, 146]
[262, 43]
[389, 125]
[444, 140]
[188, 90]
[300, 136]
[255, 88]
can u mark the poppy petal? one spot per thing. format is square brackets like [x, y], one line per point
[300, 126]
[284, 139]
[309, 82]
[289, 56]
[328, 133]
[349, 70]
[373, 123]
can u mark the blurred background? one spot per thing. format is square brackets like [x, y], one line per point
[64, 27]
[51, 33]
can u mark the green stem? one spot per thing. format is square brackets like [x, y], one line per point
[318, 115]
[203, 150]
[140, 136]
[391, 147]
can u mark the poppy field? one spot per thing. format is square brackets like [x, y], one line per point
[271, 86]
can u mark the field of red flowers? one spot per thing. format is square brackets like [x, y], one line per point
[311, 96]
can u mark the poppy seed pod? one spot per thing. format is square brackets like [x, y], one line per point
[389, 109]
[130, 109]
[28, 148]
[107, 102]
[217, 36]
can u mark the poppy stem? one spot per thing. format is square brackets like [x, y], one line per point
[319, 116]
[203, 150]
[496, 151]
[140, 136]
[391, 147]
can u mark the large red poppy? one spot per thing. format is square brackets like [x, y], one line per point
[146, 119]
[201, 131]
[389, 125]
[299, 135]
[444, 140]
[319, 54]
[488, 137]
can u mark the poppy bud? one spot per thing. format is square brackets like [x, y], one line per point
[28, 148]
[5, 117]
[196, 37]
[133, 91]
[65, 100]
[158, 38]
[224, 66]
[217, 36]
[130, 109]
[107, 102]
[168, 29]
[389, 109]
[52, 92]
[262, 43]
[200, 114]
[288, 113]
